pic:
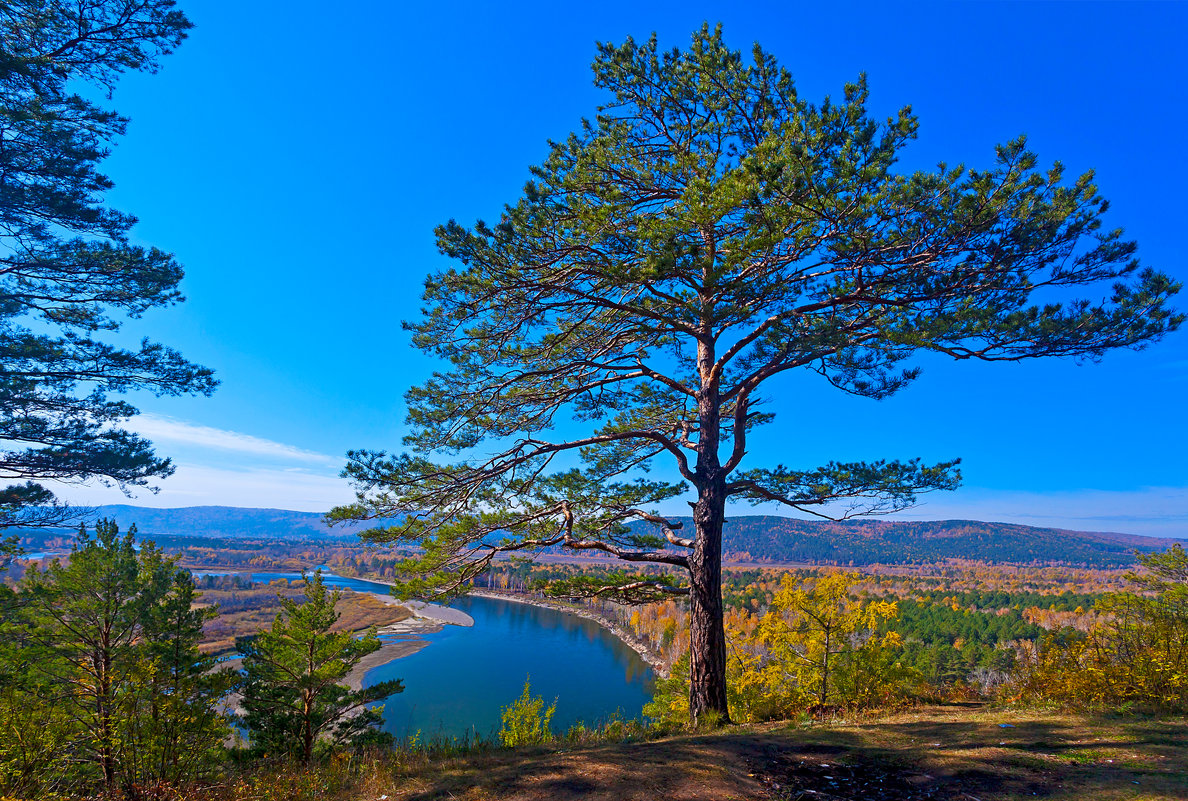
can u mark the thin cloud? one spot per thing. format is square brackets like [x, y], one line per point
[1154, 511]
[202, 485]
[1151, 511]
[169, 430]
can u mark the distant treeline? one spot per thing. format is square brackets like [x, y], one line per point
[865, 542]
[276, 533]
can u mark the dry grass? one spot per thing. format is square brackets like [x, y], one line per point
[950, 753]
[361, 610]
[965, 753]
[259, 605]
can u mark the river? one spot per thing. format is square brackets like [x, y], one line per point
[460, 681]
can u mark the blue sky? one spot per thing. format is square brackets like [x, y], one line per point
[296, 160]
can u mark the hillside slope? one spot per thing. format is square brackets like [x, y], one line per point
[929, 754]
[747, 538]
[759, 538]
[225, 521]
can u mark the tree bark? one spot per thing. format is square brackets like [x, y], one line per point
[825, 670]
[105, 708]
[707, 634]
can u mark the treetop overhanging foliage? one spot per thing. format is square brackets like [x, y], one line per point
[708, 231]
[68, 272]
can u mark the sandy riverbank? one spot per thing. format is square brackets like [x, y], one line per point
[626, 637]
[442, 614]
[395, 646]
[403, 638]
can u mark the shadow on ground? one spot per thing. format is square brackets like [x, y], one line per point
[934, 755]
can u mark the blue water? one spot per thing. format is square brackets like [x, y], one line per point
[460, 681]
[329, 579]
[44, 555]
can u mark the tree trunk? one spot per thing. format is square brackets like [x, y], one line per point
[307, 734]
[707, 634]
[106, 711]
[825, 671]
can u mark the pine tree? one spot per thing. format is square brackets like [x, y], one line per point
[104, 650]
[67, 269]
[292, 690]
[171, 726]
[707, 233]
[86, 619]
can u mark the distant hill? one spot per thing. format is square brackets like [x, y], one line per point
[747, 538]
[226, 521]
[782, 539]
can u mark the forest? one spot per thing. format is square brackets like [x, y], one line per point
[113, 681]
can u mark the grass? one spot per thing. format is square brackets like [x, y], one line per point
[968, 753]
[953, 753]
[248, 611]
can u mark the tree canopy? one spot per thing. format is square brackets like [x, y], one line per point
[68, 272]
[708, 231]
[103, 680]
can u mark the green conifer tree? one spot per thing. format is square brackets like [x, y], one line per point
[85, 622]
[293, 692]
[68, 272]
[105, 648]
[171, 726]
[613, 340]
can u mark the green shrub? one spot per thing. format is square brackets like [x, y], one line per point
[526, 720]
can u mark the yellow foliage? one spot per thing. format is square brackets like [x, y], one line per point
[817, 645]
[1135, 652]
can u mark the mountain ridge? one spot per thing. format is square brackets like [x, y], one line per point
[746, 538]
[230, 522]
[768, 538]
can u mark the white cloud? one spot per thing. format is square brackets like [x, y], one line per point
[167, 429]
[203, 485]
